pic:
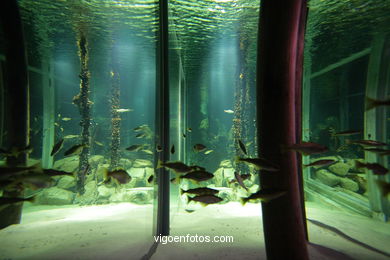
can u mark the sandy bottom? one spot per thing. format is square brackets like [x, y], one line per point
[125, 231]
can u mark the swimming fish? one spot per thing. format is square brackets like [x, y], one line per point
[376, 168]
[7, 171]
[264, 195]
[123, 110]
[240, 180]
[66, 119]
[379, 151]
[5, 201]
[53, 172]
[57, 147]
[199, 191]
[35, 180]
[308, 148]
[259, 163]
[229, 111]
[16, 151]
[197, 176]
[120, 175]
[141, 135]
[366, 142]
[242, 146]
[189, 210]
[177, 167]
[75, 150]
[373, 103]
[135, 147]
[139, 128]
[150, 179]
[208, 151]
[158, 148]
[147, 151]
[98, 143]
[189, 129]
[345, 133]
[184, 135]
[320, 163]
[173, 149]
[70, 136]
[205, 199]
[199, 147]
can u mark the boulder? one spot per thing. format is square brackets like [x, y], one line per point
[105, 192]
[349, 184]
[141, 163]
[125, 163]
[226, 195]
[226, 164]
[327, 178]
[55, 196]
[340, 168]
[218, 177]
[66, 182]
[68, 164]
[137, 173]
[89, 196]
[96, 159]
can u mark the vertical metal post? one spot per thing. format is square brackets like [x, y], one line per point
[162, 121]
[278, 105]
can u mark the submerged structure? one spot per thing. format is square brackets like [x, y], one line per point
[261, 124]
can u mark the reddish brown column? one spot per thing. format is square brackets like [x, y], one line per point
[278, 116]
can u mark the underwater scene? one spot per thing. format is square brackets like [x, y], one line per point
[85, 182]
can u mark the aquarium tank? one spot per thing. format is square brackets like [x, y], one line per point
[137, 124]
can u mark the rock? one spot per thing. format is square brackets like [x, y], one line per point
[218, 177]
[89, 196]
[105, 192]
[125, 163]
[137, 173]
[226, 164]
[327, 178]
[96, 159]
[66, 182]
[349, 184]
[141, 163]
[100, 171]
[228, 174]
[352, 163]
[226, 195]
[55, 196]
[340, 168]
[140, 197]
[68, 164]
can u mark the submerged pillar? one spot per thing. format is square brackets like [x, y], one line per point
[82, 101]
[16, 91]
[115, 119]
[278, 82]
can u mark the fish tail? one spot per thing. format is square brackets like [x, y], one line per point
[359, 164]
[159, 164]
[382, 187]
[189, 199]
[182, 191]
[237, 159]
[243, 201]
[371, 103]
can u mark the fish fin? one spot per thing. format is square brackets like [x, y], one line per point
[359, 164]
[159, 164]
[237, 159]
[243, 201]
[189, 199]
[182, 191]
[370, 103]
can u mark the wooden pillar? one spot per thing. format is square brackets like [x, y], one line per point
[279, 82]
[17, 99]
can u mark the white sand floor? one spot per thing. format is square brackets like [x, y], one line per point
[124, 231]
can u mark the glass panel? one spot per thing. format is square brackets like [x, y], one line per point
[345, 64]
[213, 49]
[92, 75]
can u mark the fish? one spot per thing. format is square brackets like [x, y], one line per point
[245, 176]
[259, 163]
[66, 119]
[5, 201]
[158, 148]
[189, 129]
[345, 133]
[120, 175]
[197, 176]
[199, 147]
[384, 187]
[376, 168]
[140, 128]
[184, 135]
[177, 167]
[242, 146]
[324, 162]
[16, 151]
[189, 210]
[123, 110]
[264, 195]
[240, 180]
[208, 151]
[199, 191]
[377, 150]
[141, 135]
[174, 181]
[229, 111]
[147, 151]
[53, 172]
[135, 147]
[57, 147]
[205, 199]
[35, 180]
[366, 142]
[373, 103]
[150, 179]
[173, 149]
[75, 149]
[70, 136]
[307, 148]
[6, 172]
[56, 124]
[99, 143]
